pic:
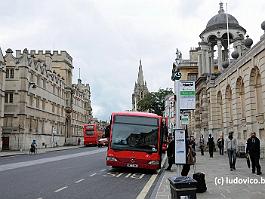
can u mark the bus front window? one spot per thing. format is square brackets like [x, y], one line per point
[135, 133]
[89, 130]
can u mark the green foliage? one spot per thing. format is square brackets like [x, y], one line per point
[154, 102]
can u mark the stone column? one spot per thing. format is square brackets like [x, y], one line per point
[200, 62]
[219, 46]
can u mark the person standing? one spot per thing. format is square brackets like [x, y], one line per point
[231, 146]
[210, 145]
[253, 149]
[220, 144]
[170, 153]
[202, 145]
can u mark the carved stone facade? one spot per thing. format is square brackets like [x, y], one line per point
[232, 99]
[140, 89]
[40, 101]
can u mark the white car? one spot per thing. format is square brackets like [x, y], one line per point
[103, 142]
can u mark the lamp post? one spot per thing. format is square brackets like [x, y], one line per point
[176, 75]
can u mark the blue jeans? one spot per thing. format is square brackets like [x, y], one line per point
[232, 157]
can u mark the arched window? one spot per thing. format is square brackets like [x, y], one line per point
[256, 92]
[219, 110]
[240, 98]
[228, 99]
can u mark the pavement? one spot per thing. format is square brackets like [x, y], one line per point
[220, 181]
[39, 150]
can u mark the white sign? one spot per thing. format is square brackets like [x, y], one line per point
[180, 146]
[184, 119]
[186, 95]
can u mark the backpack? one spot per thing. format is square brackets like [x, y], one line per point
[201, 185]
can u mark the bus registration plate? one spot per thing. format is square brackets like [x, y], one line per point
[132, 165]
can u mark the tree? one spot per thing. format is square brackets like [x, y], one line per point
[154, 102]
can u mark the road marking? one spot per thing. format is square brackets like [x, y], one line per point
[148, 185]
[39, 198]
[79, 181]
[45, 160]
[119, 175]
[93, 174]
[128, 175]
[103, 169]
[61, 189]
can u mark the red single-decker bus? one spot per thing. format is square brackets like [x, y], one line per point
[135, 140]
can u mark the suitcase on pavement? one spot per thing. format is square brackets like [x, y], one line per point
[201, 185]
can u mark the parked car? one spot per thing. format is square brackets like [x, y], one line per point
[103, 142]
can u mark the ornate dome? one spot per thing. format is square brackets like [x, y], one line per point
[219, 21]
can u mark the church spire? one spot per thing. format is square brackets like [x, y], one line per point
[140, 79]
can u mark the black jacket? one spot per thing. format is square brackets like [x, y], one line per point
[171, 149]
[253, 148]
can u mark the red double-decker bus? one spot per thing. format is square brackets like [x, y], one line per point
[92, 134]
[135, 140]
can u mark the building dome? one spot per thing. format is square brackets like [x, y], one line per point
[219, 22]
[220, 19]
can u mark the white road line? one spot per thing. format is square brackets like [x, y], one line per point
[39, 198]
[79, 180]
[93, 174]
[103, 169]
[61, 189]
[46, 160]
[148, 185]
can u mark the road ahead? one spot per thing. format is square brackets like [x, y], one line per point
[78, 173]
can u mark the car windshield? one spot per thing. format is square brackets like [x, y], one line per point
[135, 133]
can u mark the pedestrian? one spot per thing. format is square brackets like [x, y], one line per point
[78, 141]
[253, 149]
[164, 129]
[202, 145]
[220, 144]
[231, 146]
[191, 158]
[210, 145]
[170, 152]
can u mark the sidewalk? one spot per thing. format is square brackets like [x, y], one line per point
[218, 168]
[41, 150]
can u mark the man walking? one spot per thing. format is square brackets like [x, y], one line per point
[202, 145]
[220, 144]
[170, 153]
[210, 145]
[253, 149]
[231, 146]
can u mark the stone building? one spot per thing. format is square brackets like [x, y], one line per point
[230, 93]
[2, 93]
[140, 89]
[40, 101]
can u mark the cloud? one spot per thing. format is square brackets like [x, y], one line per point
[108, 38]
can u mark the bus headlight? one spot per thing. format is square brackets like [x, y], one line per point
[111, 159]
[154, 162]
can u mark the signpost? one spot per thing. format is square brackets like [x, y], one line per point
[185, 100]
[180, 146]
[187, 95]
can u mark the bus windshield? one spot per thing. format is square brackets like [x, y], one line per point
[135, 133]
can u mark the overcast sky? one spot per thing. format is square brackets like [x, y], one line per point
[107, 38]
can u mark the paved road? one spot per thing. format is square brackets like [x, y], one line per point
[79, 173]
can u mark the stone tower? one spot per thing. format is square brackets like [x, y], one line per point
[140, 89]
[217, 33]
